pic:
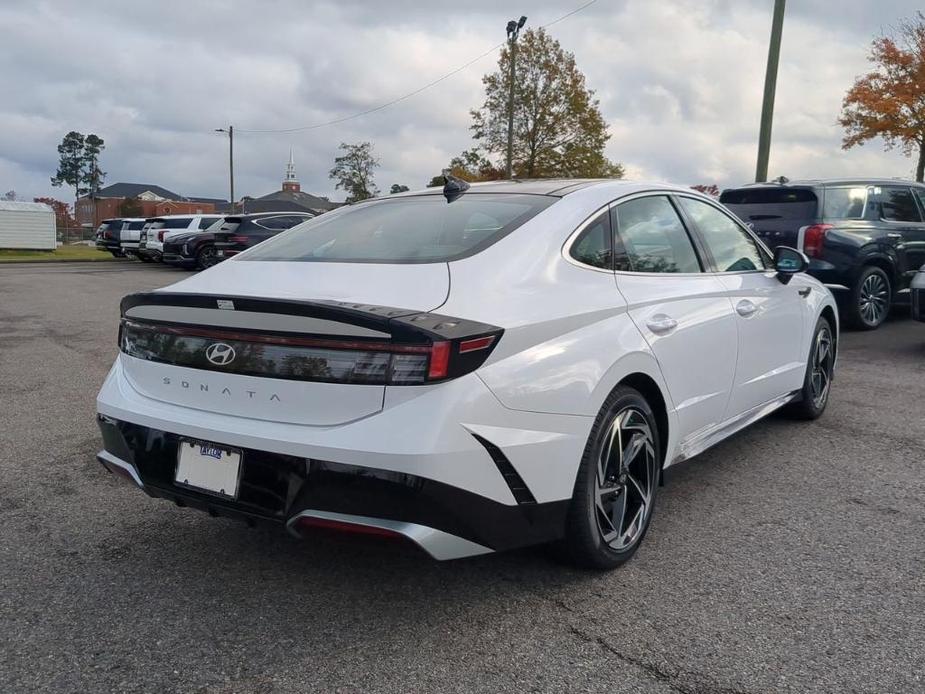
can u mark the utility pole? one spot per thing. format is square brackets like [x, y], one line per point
[230, 131]
[770, 87]
[513, 31]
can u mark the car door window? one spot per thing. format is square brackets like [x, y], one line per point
[732, 248]
[593, 246]
[898, 205]
[652, 238]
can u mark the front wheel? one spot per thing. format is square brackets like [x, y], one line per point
[206, 258]
[616, 485]
[820, 368]
[870, 300]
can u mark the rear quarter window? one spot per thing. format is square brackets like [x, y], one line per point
[850, 202]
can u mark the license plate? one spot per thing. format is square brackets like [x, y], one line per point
[209, 468]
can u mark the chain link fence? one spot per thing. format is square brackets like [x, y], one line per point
[75, 234]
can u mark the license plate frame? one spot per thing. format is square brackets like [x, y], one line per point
[209, 468]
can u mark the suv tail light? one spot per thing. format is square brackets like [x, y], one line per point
[160, 236]
[814, 238]
[238, 239]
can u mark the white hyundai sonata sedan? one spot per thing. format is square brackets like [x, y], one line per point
[473, 368]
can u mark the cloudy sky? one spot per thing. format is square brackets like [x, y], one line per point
[679, 81]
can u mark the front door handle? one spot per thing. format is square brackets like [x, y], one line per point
[745, 308]
[660, 323]
[894, 235]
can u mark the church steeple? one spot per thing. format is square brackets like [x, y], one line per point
[291, 182]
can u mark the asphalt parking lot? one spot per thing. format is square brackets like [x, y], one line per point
[788, 559]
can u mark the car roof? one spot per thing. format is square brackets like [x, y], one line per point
[556, 187]
[825, 182]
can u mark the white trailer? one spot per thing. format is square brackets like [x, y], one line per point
[27, 225]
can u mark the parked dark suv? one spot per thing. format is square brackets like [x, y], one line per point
[231, 235]
[865, 238]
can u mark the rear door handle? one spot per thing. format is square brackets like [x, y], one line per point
[745, 308]
[660, 323]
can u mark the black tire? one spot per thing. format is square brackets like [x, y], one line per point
[117, 254]
[870, 299]
[591, 523]
[820, 369]
[143, 258]
[206, 258]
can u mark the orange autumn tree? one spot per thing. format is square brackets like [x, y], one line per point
[889, 101]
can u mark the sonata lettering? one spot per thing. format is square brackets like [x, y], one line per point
[204, 388]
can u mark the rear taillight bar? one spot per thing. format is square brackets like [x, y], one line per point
[306, 358]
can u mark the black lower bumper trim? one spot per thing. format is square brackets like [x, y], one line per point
[276, 487]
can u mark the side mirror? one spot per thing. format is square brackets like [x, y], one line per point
[788, 262]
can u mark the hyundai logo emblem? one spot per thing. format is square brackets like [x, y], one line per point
[220, 354]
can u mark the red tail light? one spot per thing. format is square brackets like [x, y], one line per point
[346, 527]
[238, 239]
[107, 235]
[814, 238]
[160, 236]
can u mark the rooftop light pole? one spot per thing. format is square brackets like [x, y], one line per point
[770, 87]
[230, 131]
[513, 31]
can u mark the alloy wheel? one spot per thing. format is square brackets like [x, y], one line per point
[207, 258]
[874, 299]
[625, 481]
[820, 376]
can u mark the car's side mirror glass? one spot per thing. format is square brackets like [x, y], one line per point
[788, 262]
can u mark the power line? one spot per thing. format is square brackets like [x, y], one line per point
[409, 94]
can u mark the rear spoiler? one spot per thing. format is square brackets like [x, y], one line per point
[451, 346]
[403, 324]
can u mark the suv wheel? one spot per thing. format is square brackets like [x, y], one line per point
[871, 298]
[616, 485]
[206, 258]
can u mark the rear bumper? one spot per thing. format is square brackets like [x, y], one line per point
[294, 493]
[414, 469]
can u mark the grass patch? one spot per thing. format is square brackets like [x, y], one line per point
[62, 254]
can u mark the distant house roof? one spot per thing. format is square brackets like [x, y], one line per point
[296, 200]
[18, 206]
[133, 190]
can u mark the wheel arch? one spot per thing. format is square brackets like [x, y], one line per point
[831, 315]
[884, 263]
[650, 390]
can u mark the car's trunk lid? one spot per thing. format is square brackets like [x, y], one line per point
[303, 343]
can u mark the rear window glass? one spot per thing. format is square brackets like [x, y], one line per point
[417, 229]
[181, 223]
[845, 203]
[135, 226]
[767, 203]
[766, 196]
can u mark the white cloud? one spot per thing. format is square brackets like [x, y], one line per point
[679, 81]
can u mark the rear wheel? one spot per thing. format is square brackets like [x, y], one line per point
[117, 254]
[819, 371]
[144, 258]
[870, 300]
[206, 258]
[616, 485]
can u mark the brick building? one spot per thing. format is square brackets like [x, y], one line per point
[151, 201]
